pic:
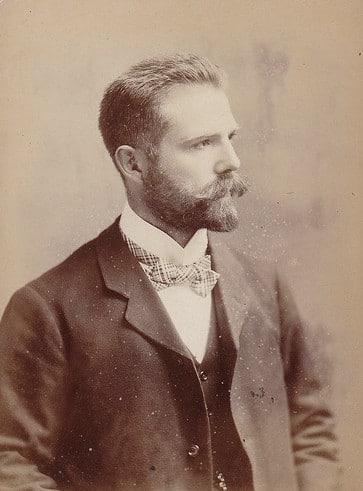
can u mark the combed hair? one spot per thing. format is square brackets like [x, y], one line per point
[129, 111]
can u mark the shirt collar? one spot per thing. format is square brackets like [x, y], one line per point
[157, 242]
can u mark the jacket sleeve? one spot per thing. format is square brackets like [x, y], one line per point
[308, 374]
[32, 393]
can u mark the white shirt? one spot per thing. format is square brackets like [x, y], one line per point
[189, 311]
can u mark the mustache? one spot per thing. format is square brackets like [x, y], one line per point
[224, 184]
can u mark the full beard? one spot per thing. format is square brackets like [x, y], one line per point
[211, 207]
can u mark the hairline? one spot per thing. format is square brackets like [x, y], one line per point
[151, 89]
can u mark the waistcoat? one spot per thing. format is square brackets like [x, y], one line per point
[231, 466]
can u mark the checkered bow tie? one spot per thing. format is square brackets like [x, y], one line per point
[162, 273]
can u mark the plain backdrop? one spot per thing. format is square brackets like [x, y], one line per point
[296, 73]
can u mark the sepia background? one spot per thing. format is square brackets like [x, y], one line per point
[296, 73]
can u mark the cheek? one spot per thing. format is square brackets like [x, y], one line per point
[194, 169]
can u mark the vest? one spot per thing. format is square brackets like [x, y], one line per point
[231, 466]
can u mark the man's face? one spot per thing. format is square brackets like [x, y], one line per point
[191, 183]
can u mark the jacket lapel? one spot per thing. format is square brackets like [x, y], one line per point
[232, 293]
[145, 311]
[123, 275]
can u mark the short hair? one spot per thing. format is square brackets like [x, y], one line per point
[129, 111]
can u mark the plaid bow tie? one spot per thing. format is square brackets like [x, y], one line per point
[163, 274]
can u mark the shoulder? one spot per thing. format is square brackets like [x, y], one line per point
[262, 275]
[74, 276]
[265, 280]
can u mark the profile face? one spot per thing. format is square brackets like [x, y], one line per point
[193, 181]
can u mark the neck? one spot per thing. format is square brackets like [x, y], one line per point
[182, 237]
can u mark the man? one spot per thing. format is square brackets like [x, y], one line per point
[154, 357]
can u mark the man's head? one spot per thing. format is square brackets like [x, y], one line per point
[168, 126]
[130, 109]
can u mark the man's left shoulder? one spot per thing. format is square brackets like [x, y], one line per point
[239, 260]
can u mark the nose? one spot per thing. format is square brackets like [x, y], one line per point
[228, 159]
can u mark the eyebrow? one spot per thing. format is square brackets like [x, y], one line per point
[234, 131]
[212, 135]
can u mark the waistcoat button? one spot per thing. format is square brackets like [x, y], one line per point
[193, 450]
[203, 376]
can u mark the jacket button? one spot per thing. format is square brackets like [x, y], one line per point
[193, 450]
[203, 376]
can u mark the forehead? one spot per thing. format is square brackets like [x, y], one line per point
[192, 110]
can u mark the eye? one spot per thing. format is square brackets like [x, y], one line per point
[232, 135]
[202, 144]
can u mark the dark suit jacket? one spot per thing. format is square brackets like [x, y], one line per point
[99, 393]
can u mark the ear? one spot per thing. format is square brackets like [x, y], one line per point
[127, 162]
